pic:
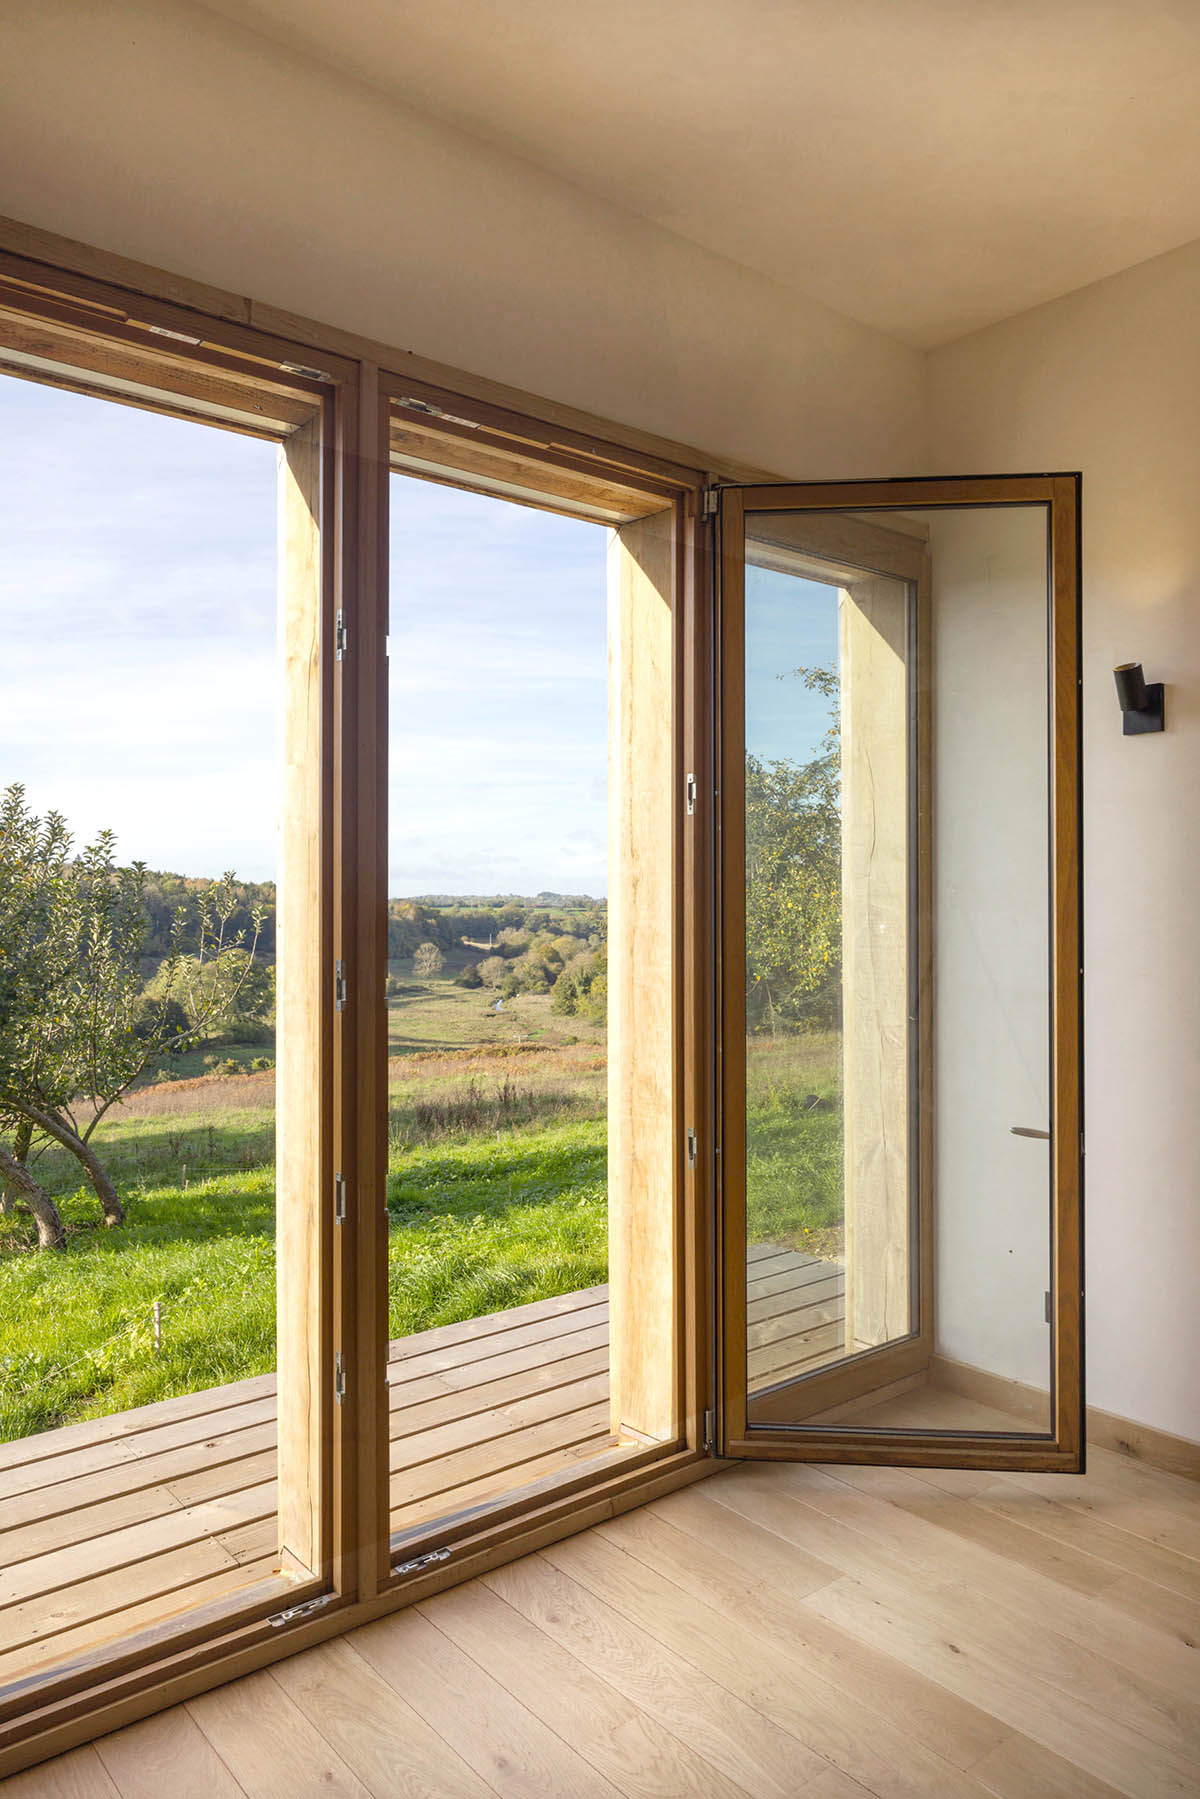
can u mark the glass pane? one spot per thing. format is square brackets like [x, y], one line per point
[827, 1176]
[841, 882]
[138, 744]
[515, 1112]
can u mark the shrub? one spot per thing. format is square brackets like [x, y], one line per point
[427, 960]
[164, 1019]
[470, 976]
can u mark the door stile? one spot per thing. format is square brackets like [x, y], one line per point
[1067, 1269]
[731, 1185]
[359, 1258]
[696, 783]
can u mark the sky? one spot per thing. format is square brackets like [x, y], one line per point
[139, 684]
[790, 624]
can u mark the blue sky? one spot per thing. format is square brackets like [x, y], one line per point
[498, 696]
[139, 682]
[790, 624]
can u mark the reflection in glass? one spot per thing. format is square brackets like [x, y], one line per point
[826, 976]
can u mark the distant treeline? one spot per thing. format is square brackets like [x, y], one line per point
[444, 919]
[164, 894]
[415, 921]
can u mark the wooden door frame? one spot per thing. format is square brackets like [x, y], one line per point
[1062, 1448]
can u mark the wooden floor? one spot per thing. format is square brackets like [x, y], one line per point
[114, 1525]
[773, 1630]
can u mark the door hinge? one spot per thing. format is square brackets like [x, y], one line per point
[339, 986]
[339, 1377]
[339, 1199]
[180, 337]
[301, 368]
[691, 1147]
[710, 1432]
[422, 1561]
[1049, 1317]
[689, 794]
[710, 502]
[305, 1609]
[341, 636]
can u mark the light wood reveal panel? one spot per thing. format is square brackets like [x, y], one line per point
[873, 631]
[300, 1248]
[642, 1127]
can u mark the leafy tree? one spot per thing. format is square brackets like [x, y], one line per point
[74, 1034]
[793, 882]
[492, 970]
[470, 976]
[582, 988]
[427, 960]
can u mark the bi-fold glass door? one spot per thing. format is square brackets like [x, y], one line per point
[899, 1116]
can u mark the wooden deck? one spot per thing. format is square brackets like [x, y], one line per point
[118, 1524]
[771, 1631]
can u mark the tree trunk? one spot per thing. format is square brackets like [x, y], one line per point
[22, 1140]
[53, 1125]
[18, 1180]
[106, 1193]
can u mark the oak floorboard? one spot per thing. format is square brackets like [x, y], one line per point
[268, 1745]
[166, 1755]
[721, 1577]
[637, 1753]
[731, 1734]
[80, 1774]
[782, 1685]
[506, 1744]
[378, 1735]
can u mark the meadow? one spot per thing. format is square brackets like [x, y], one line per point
[496, 1195]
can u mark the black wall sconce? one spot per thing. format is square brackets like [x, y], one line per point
[1141, 704]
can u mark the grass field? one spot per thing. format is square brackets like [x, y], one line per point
[496, 1194]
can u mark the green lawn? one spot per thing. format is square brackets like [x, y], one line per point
[794, 1143]
[496, 1194]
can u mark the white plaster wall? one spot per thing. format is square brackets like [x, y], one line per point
[162, 131]
[1107, 380]
[991, 1009]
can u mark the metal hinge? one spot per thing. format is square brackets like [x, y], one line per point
[710, 502]
[1049, 1318]
[339, 1199]
[691, 1147]
[340, 635]
[436, 412]
[339, 986]
[304, 1610]
[180, 337]
[339, 1377]
[300, 368]
[689, 794]
[710, 1432]
[422, 1561]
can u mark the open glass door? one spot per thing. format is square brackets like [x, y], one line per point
[900, 1180]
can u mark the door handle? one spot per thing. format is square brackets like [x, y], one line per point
[1027, 1130]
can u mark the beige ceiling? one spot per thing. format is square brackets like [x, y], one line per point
[926, 166]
